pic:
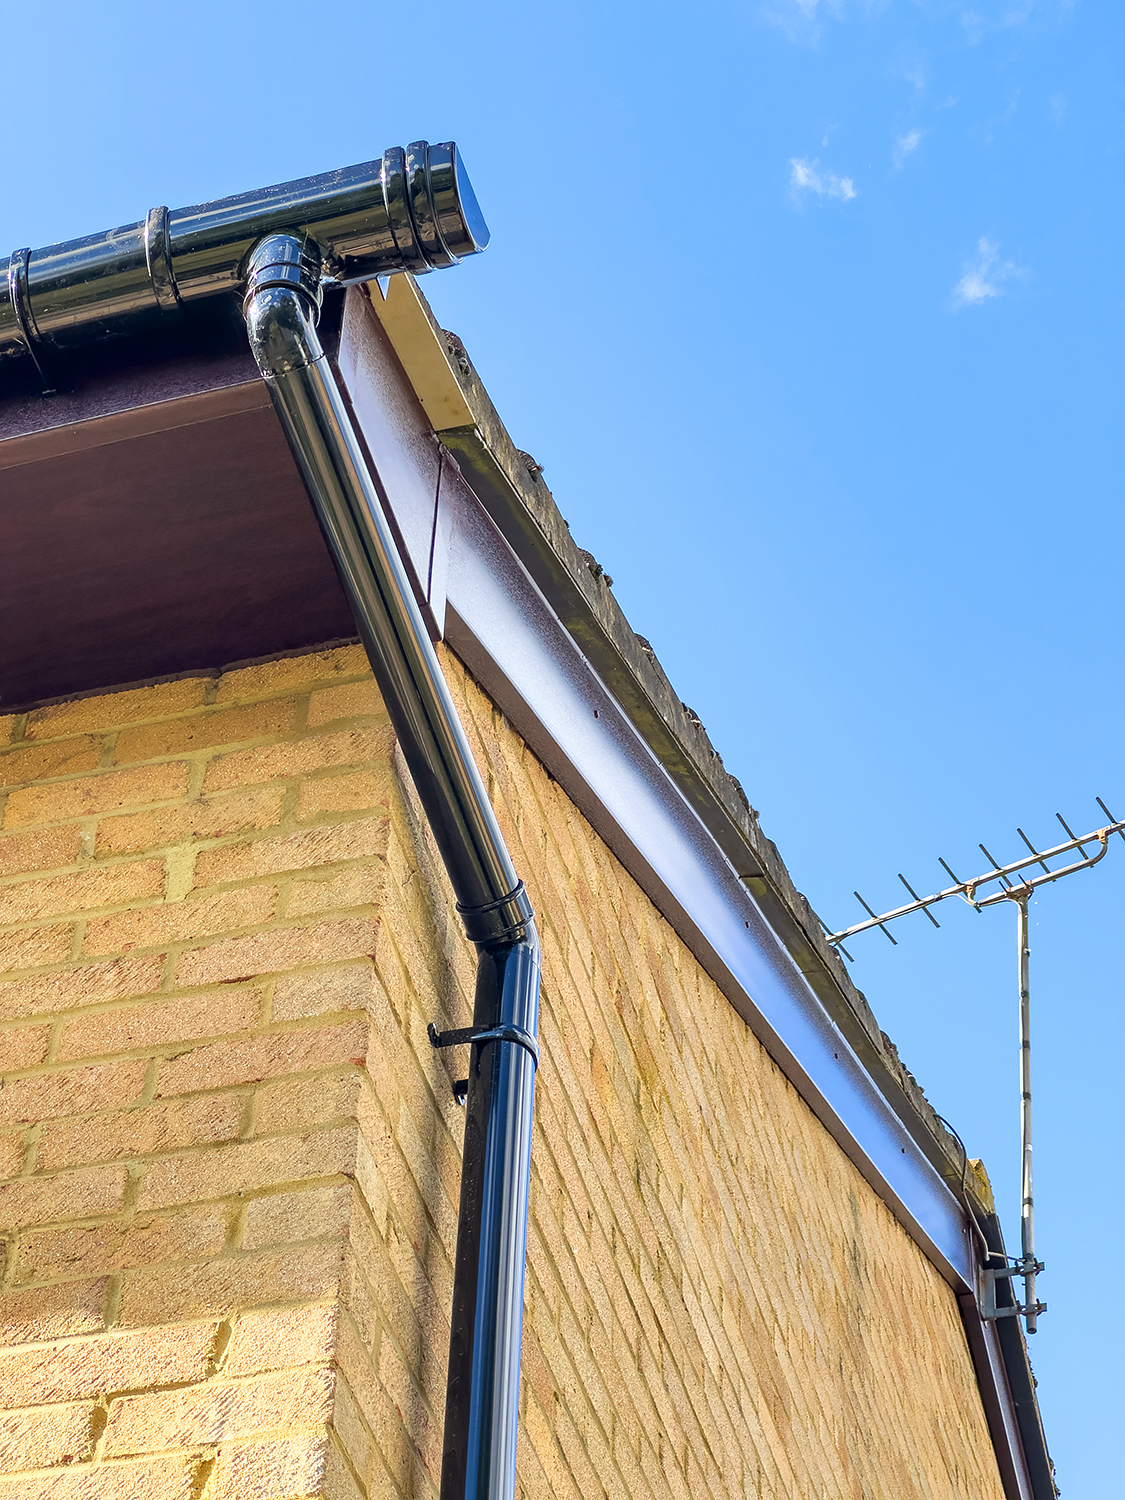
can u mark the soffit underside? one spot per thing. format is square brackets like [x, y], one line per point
[152, 522]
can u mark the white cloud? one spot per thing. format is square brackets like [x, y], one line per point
[985, 276]
[910, 65]
[810, 177]
[804, 21]
[905, 144]
[801, 20]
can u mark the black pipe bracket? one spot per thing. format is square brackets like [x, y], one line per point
[467, 1036]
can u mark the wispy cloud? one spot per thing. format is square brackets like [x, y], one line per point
[911, 64]
[802, 20]
[810, 177]
[1058, 107]
[906, 144]
[1005, 15]
[985, 276]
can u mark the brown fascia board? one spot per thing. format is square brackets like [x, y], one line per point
[510, 486]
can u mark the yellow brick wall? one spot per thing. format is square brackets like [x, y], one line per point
[230, 1159]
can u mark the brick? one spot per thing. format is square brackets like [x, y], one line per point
[73, 1091]
[147, 1240]
[387, 1425]
[23, 1048]
[157, 926]
[279, 1469]
[692, 1223]
[189, 822]
[69, 1195]
[140, 1132]
[323, 990]
[53, 1312]
[354, 790]
[362, 886]
[291, 672]
[222, 1171]
[285, 1218]
[45, 1436]
[45, 849]
[307, 1274]
[156, 1023]
[60, 758]
[165, 1478]
[118, 1361]
[282, 1339]
[85, 890]
[86, 796]
[108, 710]
[250, 1059]
[35, 948]
[423, 1432]
[274, 951]
[48, 993]
[298, 757]
[202, 731]
[348, 700]
[203, 1416]
[298, 1103]
[363, 838]
[354, 1439]
[13, 1149]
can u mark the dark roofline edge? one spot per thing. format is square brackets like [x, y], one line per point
[527, 514]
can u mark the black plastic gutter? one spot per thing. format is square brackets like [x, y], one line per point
[415, 211]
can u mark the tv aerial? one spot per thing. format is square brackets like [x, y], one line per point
[1015, 882]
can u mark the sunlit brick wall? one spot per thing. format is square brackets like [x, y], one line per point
[231, 1159]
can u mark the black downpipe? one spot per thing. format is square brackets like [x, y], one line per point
[482, 1401]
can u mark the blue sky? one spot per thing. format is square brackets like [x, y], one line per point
[813, 315]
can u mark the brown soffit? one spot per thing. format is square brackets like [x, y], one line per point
[152, 522]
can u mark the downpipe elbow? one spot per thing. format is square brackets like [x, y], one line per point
[282, 304]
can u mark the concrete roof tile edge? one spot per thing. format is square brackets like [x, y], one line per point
[508, 483]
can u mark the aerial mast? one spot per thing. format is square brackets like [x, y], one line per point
[1015, 882]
